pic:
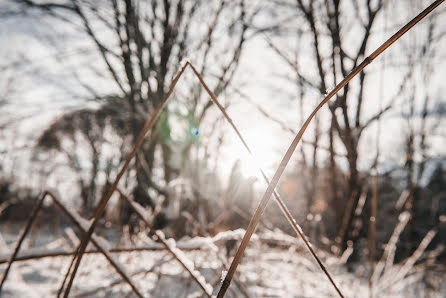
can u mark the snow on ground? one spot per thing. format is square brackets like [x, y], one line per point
[285, 270]
[271, 276]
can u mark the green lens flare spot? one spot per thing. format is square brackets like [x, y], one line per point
[194, 131]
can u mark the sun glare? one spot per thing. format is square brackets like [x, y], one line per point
[264, 156]
[249, 166]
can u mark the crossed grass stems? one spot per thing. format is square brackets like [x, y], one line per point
[100, 207]
[102, 245]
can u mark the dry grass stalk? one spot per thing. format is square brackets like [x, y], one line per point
[90, 293]
[255, 219]
[373, 215]
[194, 274]
[22, 237]
[373, 232]
[97, 241]
[386, 261]
[75, 219]
[100, 207]
[62, 285]
[36, 255]
[277, 198]
[393, 276]
[283, 125]
[150, 122]
[239, 285]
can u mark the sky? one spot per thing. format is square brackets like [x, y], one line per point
[45, 88]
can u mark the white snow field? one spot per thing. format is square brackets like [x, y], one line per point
[275, 265]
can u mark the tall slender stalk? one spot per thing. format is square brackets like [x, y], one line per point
[100, 207]
[22, 237]
[374, 202]
[62, 285]
[270, 190]
[373, 232]
[74, 218]
[96, 242]
[256, 217]
[277, 198]
[194, 274]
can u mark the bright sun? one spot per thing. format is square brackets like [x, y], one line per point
[264, 155]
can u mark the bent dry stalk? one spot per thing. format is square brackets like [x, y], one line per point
[22, 237]
[75, 219]
[194, 274]
[272, 185]
[100, 207]
[277, 197]
[149, 124]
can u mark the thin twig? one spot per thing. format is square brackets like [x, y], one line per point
[100, 207]
[75, 220]
[283, 125]
[22, 237]
[392, 277]
[140, 211]
[277, 198]
[373, 213]
[62, 285]
[96, 242]
[386, 261]
[89, 293]
[373, 232]
[282, 205]
[255, 219]
[33, 255]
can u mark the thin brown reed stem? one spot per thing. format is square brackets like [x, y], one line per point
[75, 220]
[282, 205]
[239, 285]
[22, 237]
[94, 292]
[277, 198]
[282, 124]
[62, 285]
[389, 279]
[374, 202]
[103, 202]
[387, 258]
[26, 256]
[345, 219]
[138, 209]
[256, 217]
[96, 242]
[373, 233]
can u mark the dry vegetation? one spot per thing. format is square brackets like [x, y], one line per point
[149, 258]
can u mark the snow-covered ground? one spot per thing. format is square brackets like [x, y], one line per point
[282, 270]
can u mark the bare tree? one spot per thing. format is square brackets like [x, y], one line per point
[328, 40]
[140, 45]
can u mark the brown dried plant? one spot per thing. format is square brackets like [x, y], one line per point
[100, 207]
[256, 217]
